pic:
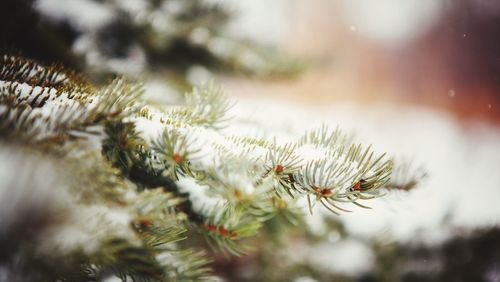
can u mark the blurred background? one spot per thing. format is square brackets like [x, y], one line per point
[438, 53]
[417, 78]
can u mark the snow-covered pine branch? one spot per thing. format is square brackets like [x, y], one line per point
[174, 170]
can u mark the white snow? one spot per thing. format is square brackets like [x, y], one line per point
[349, 257]
[87, 229]
[82, 14]
[390, 21]
[461, 191]
[260, 20]
[309, 152]
[41, 187]
[157, 91]
[304, 279]
[198, 194]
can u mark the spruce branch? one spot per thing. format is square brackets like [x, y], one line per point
[174, 150]
[206, 106]
[283, 164]
[125, 149]
[48, 105]
[160, 227]
[224, 229]
[243, 183]
[344, 172]
[406, 175]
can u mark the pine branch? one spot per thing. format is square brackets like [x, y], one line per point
[192, 176]
[344, 173]
[406, 175]
[205, 106]
[43, 104]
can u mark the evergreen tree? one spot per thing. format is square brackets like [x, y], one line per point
[109, 185]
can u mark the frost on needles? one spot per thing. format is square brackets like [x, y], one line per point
[141, 183]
